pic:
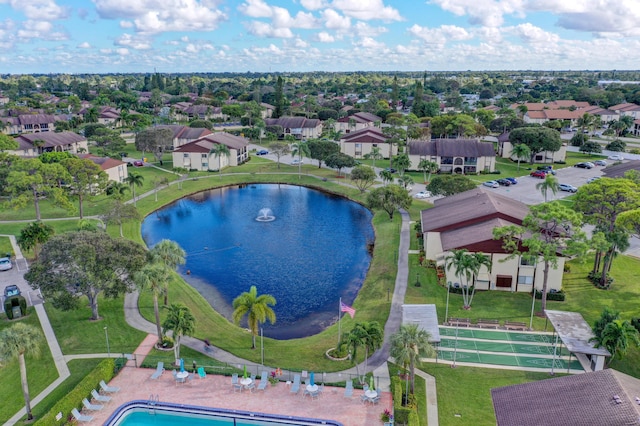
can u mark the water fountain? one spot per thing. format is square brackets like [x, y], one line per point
[265, 215]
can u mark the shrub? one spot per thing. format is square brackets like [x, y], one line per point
[458, 290]
[558, 296]
[560, 162]
[595, 279]
[616, 145]
[636, 323]
[496, 172]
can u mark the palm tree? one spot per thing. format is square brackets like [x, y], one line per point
[256, 308]
[466, 267]
[116, 189]
[374, 155]
[367, 334]
[521, 152]
[219, 150]
[34, 235]
[617, 337]
[386, 176]
[300, 149]
[170, 254]
[586, 122]
[134, 179]
[154, 277]
[15, 342]
[427, 167]
[410, 344]
[181, 322]
[550, 183]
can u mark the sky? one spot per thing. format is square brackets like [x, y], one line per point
[122, 36]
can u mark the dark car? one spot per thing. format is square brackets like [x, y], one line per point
[262, 152]
[11, 290]
[504, 182]
[390, 169]
[583, 165]
[512, 180]
[538, 174]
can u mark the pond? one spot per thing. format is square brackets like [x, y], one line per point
[305, 247]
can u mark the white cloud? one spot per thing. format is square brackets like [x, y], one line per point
[134, 42]
[262, 29]
[256, 9]
[362, 29]
[126, 24]
[46, 10]
[369, 43]
[281, 20]
[366, 10]
[122, 51]
[483, 12]
[313, 4]
[531, 34]
[84, 45]
[441, 35]
[334, 21]
[301, 44]
[40, 30]
[324, 37]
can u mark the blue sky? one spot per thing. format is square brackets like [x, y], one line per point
[96, 36]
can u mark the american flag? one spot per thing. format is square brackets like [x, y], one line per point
[348, 309]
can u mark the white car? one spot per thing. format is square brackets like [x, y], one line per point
[491, 184]
[5, 264]
[422, 194]
[296, 161]
[567, 187]
[616, 157]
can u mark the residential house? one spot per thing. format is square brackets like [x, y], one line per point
[4, 100]
[184, 134]
[629, 109]
[298, 127]
[196, 155]
[29, 123]
[107, 115]
[605, 115]
[357, 121]
[34, 144]
[505, 150]
[541, 117]
[467, 221]
[116, 170]
[267, 111]
[465, 156]
[361, 142]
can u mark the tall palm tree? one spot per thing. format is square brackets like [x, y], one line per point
[168, 253]
[521, 152]
[374, 155]
[300, 149]
[116, 189]
[256, 308]
[550, 183]
[586, 122]
[466, 266]
[181, 322]
[617, 337]
[386, 176]
[410, 344]
[427, 167]
[134, 179]
[218, 150]
[15, 342]
[153, 277]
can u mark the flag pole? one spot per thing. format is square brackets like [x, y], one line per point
[339, 321]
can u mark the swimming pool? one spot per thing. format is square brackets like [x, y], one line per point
[144, 413]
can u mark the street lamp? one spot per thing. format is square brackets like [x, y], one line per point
[106, 335]
[446, 310]
[533, 303]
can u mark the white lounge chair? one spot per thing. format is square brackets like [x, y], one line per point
[107, 388]
[90, 406]
[79, 417]
[98, 397]
[159, 370]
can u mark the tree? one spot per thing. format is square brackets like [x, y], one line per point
[33, 236]
[606, 316]
[409, 345]
[450, 184]
[201, 124]
[120, 213]
[389, 198]
[549, 229]
[7, 143]
[339, 161]
[550, 183]
[617, 336]
[134, 179]
[405, 181]
[279, 98]
[467, 266]
[616, 145]
[256, 308]
[386, 176]
[85, 263]
[168, 253]
[363, 177]
[155, 140]
[153, 277]
[590, 147]
[108, 140]
[402, 163]
[367, 334]
[181, 322]
[586, 122]
[537, 138]
[218, 150]
[374, 155]
[87, 179]
[279, 149]
[521, 152]
[15, 342]
[427, 167]
[300, 149]
[320, 150]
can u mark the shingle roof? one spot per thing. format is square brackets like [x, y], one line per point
[105, 163]
[50, 139]
[36, 118]
[580, 400]
[293, 122]
[452, 148]
[464, 236]
[185, 132]
[205, 143]
[618, 170]
[366, 135]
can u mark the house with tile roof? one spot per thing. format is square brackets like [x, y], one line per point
[467, 221]
[196, 155]
[34, 144]
[298, 127]
[355, 122]
[116, 170]
[361, 142]
[463, 156]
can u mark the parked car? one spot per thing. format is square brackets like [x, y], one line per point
[262, 152]
[504, 182]
[422, 194]
[11, 290]
[616, 157]
[538, 174]
[600, 163]
[138, 163]
[512, 180]
[390, 169]
[5, 264]
[567, 187]
[593, 179]
[547, 169]
[584, 165]
[296, 162]
[491, 184]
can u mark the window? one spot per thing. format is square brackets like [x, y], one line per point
[525, 279]
[358, 145]
[526, 261]
[205, 165]
[185, 155]
[204, 155]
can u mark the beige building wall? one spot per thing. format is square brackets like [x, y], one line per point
[359, 149]
[118, 173]
[433, 246]
[202, 161]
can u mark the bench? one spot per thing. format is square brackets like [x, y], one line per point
[488, 323]
[510, 325]
[460, 322]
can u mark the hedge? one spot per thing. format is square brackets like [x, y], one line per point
[401, 414]
[103, 371]
[558, 296]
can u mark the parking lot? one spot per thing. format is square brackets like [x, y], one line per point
[15, 276]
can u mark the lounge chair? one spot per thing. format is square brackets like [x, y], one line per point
[234, 378]
[90, 406]
[375, 400]
[79, 417]
[365, 387]
[263, 384]
[253, 377]
[348, 392]
[159, 370]
[98, 397]
[349, 384]
[295, 387]
[296, 379]
[107, 388]
[201, 373]
[321, 389]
